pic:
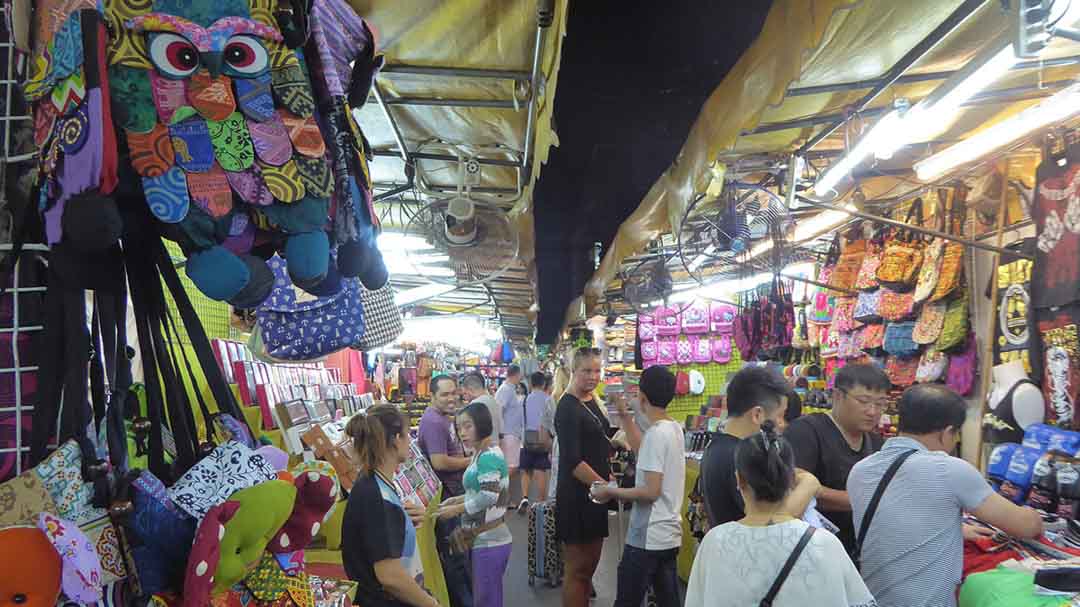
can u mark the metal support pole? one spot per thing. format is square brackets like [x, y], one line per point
[913, 78]
[455, 72]
[403, 151]
[927, 44]
[816, 283]
[504, 162]
[474, 103]
[545, 15]
[921, 230]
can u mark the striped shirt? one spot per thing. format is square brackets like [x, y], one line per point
[913, 553]
[487, 495]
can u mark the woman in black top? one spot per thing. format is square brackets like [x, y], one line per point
[584, 450]
[378, 536]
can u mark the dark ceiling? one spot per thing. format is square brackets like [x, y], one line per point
[634, 76]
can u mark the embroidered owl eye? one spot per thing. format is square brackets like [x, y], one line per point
[173, 55]
[245, 57]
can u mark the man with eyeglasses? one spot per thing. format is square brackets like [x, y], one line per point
[828, 445]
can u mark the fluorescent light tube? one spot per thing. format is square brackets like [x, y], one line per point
[696, 262]
[1061, 106]
[884, 130]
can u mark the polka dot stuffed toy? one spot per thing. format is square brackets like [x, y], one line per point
[315, 497]
[205, 554]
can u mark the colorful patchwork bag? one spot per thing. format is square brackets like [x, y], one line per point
[667, 321]
[903, 255]
[872, 337]
[898, 340]
[867, 278]
[952, 260]
[930, 271]
[955, 326]
[866, 308]
[901, 371]
[895, 306]
[962, 367]
[846, 270]
[844, 315]
[928, 326]
[932, 366]
[821, 311]
[849, 346]
[695, 319]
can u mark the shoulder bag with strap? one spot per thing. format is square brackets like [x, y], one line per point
[856, 556]
[788, 566]
[534, 439]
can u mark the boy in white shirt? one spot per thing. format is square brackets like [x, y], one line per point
[655, 534]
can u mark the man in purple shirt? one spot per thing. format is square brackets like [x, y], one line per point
[440, 445]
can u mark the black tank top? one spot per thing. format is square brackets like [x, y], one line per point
[1004, 413]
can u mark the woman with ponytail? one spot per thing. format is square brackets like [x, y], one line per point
[770, 558]
[378, 535]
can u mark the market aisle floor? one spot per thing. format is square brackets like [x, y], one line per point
[516, 589]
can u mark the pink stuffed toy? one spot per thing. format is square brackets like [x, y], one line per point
[316, 494]
[205, 554]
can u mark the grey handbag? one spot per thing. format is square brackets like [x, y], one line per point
[382, 318]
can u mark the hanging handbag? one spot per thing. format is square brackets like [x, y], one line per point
[928, 326]
[898, 340]
[800, 337]
[962, 368]
[849, 346]
[646, 330]
[932, 366]
[722, 318]
[649, 351]
[901, 371]
[903, 254]
[894, 307]
[955, 326]
[684, 354]
[821, 311]
[667, 321]
[695, 319]
[951, 276]
[847, 265]
[843, 316]
[382, 318]
[875, 248]
[721, 349]
[666, 350]
[830, 342]
[932, 255]
[702, 348]
[866, 308]
[872, 337]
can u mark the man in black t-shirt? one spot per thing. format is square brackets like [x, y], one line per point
[754, 394]
[828, 445]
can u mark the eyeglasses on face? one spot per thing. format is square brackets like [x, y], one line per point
[869, 401]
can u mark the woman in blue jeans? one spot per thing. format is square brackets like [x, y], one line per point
[483, 507]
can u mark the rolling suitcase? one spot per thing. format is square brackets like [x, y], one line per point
[545, 555]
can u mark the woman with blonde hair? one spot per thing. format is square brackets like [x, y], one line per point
[378, 536]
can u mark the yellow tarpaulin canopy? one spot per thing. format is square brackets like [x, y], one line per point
[809, 44]
[476, 103]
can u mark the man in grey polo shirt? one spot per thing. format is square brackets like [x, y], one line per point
[912, 555]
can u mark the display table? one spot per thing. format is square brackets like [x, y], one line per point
[689, 543]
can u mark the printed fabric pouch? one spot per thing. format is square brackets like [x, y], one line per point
[646, 330]
[962, 368]
[898, 340]
[872, 337]
[800, 338]
[952, 259]
[895, 306]
[850, 260]
[382, 318]
[702, 348]
[667, 321]
[722, 318]
[297, 326]
[649, 350]
[930, 270]
[830, 343]
[955, 326]
[684, 353]
[821, 311]
[721, 349]
[695, 319]
[929, 324]
[61, 473]
[666, 350]
[229, 468]
[903, 255]
[932, 366]
[849, 346]
[867, 278]
[682, 383]
[866, 308]
[844, 315]
[901, 371]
